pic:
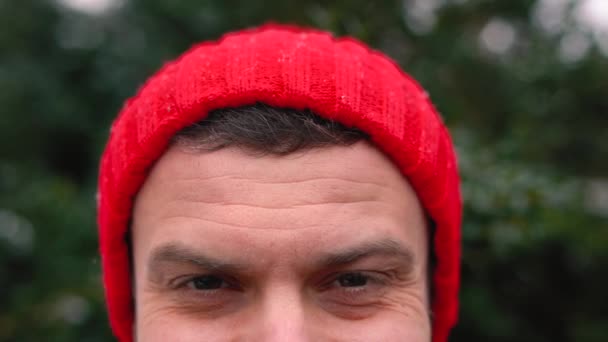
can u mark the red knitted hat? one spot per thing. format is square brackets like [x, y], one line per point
[289, 67]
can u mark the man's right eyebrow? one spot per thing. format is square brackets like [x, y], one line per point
[384, 247]
[178, 253]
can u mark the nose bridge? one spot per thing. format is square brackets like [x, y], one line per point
[282, 315]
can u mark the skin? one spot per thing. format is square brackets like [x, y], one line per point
[329, 244]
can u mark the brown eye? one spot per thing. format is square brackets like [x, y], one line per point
[352, 280]
[207, 282]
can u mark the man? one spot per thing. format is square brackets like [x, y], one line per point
[280, 185]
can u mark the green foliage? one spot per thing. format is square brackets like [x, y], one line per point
[530, 125]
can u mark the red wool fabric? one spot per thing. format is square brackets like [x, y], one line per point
[290, 67]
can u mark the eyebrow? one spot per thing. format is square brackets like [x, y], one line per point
[381, 248]
[178, 253]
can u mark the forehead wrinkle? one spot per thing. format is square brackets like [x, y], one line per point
[285, 195]
[274, 180]
[229, 183]
[242, 226]
[214, 166]
[226, 203]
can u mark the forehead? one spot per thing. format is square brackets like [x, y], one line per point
[360, 162]
[307, 199]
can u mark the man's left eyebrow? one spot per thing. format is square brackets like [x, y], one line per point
[382, 248]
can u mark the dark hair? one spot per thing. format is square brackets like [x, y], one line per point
[266, 130]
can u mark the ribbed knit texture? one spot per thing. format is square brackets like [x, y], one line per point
[290, 67]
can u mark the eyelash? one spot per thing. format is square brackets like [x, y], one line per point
[372, 279]
[186, 283]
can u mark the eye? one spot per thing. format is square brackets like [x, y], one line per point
[206, 293]
[352, 280]
[207, 282]
[350, 294]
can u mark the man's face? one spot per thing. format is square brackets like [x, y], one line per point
[324, 245]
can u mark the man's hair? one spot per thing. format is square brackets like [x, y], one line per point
[262, 129]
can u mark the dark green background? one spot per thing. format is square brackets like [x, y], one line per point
[530, 125]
